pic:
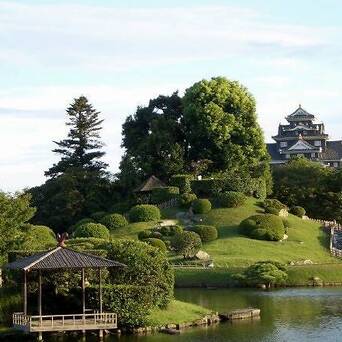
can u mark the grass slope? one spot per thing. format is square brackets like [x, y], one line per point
[177, 312]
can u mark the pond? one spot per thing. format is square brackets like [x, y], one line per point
[300, 314]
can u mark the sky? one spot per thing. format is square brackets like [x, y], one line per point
[122, 53]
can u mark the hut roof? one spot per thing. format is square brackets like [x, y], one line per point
[61, 258]
[151, 183]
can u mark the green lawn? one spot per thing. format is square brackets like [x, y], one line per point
[131, 231]
[177, 312]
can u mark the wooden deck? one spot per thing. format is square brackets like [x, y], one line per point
[93, 321]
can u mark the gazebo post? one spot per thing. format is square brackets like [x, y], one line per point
[25, 294]
[40, 311]
[83, 292]
[100, 289]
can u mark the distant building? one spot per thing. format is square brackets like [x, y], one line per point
[305, 136]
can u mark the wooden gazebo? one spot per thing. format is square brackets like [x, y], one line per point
[62, 258]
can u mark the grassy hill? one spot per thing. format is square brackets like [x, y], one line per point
[306, 239]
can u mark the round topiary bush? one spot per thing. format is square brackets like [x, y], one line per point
[37, 237]
[206, 233]
[187, 243]
[83, 221]
[98, 215]
[298, 211]
[144, 213]
[175, 230]
[96, 230]
[231, 199]
[156, 243]
[263, 227]
[114, 221]
[145, 234]
[271, 210]
[274, 203]
[186, 199]
[201, 206]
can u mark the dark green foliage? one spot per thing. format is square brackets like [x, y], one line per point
[144, 234]
[95, 230]
[15, 211]
[10, 302]
[121, 207]
[186, 199]
[175, 230]
[160, 195]
[131, 303]
[114, 221]
[201, 206]
[38, 238]
[83, 221]
[298, 211]
[231, 199]
[206, 233]
[271, 210]
[156, 243]
[144, 213]
[156, 234]
[274, 203]
[183, 182]
[207, 187]
[146, 266]
[187, 243]
[97, 216]
[263, 227]
[269, 273]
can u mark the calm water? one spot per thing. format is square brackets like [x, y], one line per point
[287, 315]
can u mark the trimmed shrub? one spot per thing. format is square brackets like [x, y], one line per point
[201, 206]
[274, 203]
[97, 216]
[96, 230]
[187, 243]
[156, 243]
[114, 221]
[271, 210]
[231, 199]
[183, 182]
[263, 227]
[83, 221]
[298, 211]
[145, 234]
[206, 233]
[175, 230]
[37, 238]
[185, 200]
[207, 187]
[160, 195]
[144, 213]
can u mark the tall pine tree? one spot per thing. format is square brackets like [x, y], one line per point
[81, 150]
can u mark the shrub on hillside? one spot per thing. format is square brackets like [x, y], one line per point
[160, 195]
[271, 210]
[83, 221]
[37, 237]
[263, 227]
[114, 221]
[201, 206]
[274, 203]
[144, 234]
[98, 215]
[183, 182]
[96, 230]
[186, 199]
[207, 233]
[207, 187]
[187, 243]
[298, 211]
[144, 213]
[231, 199]
[156, 243]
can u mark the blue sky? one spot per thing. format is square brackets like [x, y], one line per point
[122, 53]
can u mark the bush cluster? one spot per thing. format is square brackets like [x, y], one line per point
[144, 213]
[271, 210]
[263, 227]
[187, 243]
[156, 243]
[114, 221]
[183, 182]
[207, 187]
[207, 233]
[274, 203]
[160, 195]
[186, 199]
[201, 206]
[96, 230]
[298, 211]
[231, 199]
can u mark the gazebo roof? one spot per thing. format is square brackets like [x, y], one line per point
[61, 258]
[151, 183]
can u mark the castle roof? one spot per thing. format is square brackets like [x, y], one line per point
[300, 114]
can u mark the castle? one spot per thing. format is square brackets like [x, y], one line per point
[305, 136]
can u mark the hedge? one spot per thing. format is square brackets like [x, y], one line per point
[160, 195]
[114, 221]
[207, 187]
[207, 233]
[96, 230]
[231, 199]
[201, 206]
[263, 227]
[156, 243]
[144, 213]
[185, 200]
[298, 211]
[183, 182]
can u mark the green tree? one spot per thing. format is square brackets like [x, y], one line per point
[15, 211]
[187, 243]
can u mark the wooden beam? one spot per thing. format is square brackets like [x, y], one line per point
[40, 293]
[100, 289]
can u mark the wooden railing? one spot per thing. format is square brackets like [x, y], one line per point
[65, 322]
